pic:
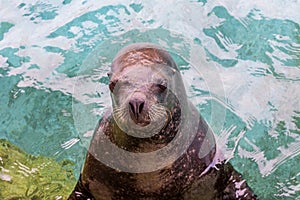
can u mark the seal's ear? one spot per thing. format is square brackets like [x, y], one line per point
[173, 71]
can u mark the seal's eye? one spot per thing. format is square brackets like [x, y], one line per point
[162, 87]
[112, 85]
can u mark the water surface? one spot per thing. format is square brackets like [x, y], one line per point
[240, 61]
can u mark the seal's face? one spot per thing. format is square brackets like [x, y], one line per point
[139, 94]
[137, 89]
[143, 80]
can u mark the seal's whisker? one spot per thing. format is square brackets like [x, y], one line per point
[157, 112]
[121, 114]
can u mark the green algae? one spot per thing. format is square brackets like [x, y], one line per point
[23, 176]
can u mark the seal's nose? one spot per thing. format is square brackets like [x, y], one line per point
[136, 106]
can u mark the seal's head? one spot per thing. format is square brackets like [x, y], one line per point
[141, 84]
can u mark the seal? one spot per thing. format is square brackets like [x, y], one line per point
[153, 143]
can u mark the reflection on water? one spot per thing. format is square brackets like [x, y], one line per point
[243, 76]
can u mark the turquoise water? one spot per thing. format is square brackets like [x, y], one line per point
[240, 61]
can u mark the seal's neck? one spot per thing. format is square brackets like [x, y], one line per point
[144, 145]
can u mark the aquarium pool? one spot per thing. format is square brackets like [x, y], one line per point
[240, 61]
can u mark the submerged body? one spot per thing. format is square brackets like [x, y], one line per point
[161, 147]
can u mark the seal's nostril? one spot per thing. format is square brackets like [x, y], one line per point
[141, 106]
[132, 107]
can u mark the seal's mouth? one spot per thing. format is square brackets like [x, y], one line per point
[140, 121]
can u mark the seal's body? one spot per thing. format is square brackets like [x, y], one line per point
[161, 147]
